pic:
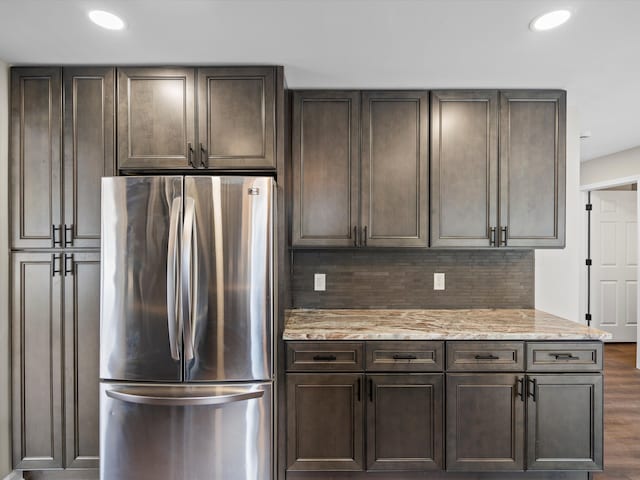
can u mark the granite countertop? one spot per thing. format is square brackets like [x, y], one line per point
[472, 324]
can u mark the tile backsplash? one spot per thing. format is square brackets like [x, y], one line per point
[404, 279]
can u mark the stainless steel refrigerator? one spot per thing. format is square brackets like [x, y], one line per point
[186, 336]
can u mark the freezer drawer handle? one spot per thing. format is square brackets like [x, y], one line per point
[183, 401]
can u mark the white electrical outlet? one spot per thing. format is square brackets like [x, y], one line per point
[319, 282]
[438, 281]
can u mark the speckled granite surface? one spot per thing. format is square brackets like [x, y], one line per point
[474, 324]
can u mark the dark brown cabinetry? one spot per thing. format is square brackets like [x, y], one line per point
[55, 191]
[325, 421]
[158, 109]
[360, 168]
[55, 322]
[485, 427]
[564, 422]
[472, 205]
[404, 422]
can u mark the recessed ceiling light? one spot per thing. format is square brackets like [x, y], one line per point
[106, 20]
[549, 20]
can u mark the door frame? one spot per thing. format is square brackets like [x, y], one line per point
[585, 190]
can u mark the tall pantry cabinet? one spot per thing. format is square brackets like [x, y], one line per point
[62, 143]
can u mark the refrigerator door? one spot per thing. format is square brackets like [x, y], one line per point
[199, 432]
[228, 278]
[140, 331]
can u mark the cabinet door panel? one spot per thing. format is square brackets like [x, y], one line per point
[82, 347]
[485, 423]
[88, 150]
[532, 168]
[325, 168]
[36, 131]
[324, 422]
[236, 113]
[404, 422]
[395, 182]
[36, 362]
[564, 422]
[156, 117]
[464, 168]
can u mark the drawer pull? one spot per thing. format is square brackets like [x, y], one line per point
[399, 356]
[487, 357]
[564, 356]
[325, 358]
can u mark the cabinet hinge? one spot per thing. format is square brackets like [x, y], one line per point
[587, 317]
[588, 262]
[588, 207]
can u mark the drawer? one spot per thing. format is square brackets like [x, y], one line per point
[405, 356]
[564, 356]
[485, 356]
[324, 356]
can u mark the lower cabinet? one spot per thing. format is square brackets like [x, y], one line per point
[324, 421]
[55, 326]
[485, 427]
[404, 422]
[564, 422]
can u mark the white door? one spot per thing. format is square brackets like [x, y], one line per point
[614, 251]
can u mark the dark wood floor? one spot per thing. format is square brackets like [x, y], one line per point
[622, 413]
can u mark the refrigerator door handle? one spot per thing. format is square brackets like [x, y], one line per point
[172, 283]
[171, 401]
[189, 272]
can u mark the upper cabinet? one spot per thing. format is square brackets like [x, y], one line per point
[360, 168]
[532, 168]
[498, 168]
[44, 214]
[229, 124]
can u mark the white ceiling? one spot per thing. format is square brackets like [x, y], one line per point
[364, 43]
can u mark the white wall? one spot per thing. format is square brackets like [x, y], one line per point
[610, 167]
[558, 271]
[5, 460]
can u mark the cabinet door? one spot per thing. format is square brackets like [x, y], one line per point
[82, 347]
[564, 422]
[404, 422]
[324, 421]
[236, 117]
[36, 310]
[464, 168]
[88, 150]
[532, 168]
[395, 164]
[485, 422]
[325, 168]
[156, 119]
[36, 134]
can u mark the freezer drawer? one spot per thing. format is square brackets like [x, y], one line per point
[177, 432]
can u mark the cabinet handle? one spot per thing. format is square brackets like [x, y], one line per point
[355, 236]
[492, 237]
[324, 358]
[68, 235]
[69, 265]
[190, 155]
[531, 392]
[564, 356]
[503, 236]
[399, 356]
[365, 236]
[371, 390]
[520, 388]
[491, 356]
[203, 155]
[55, 229]
[54, 270]
[359, 388]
